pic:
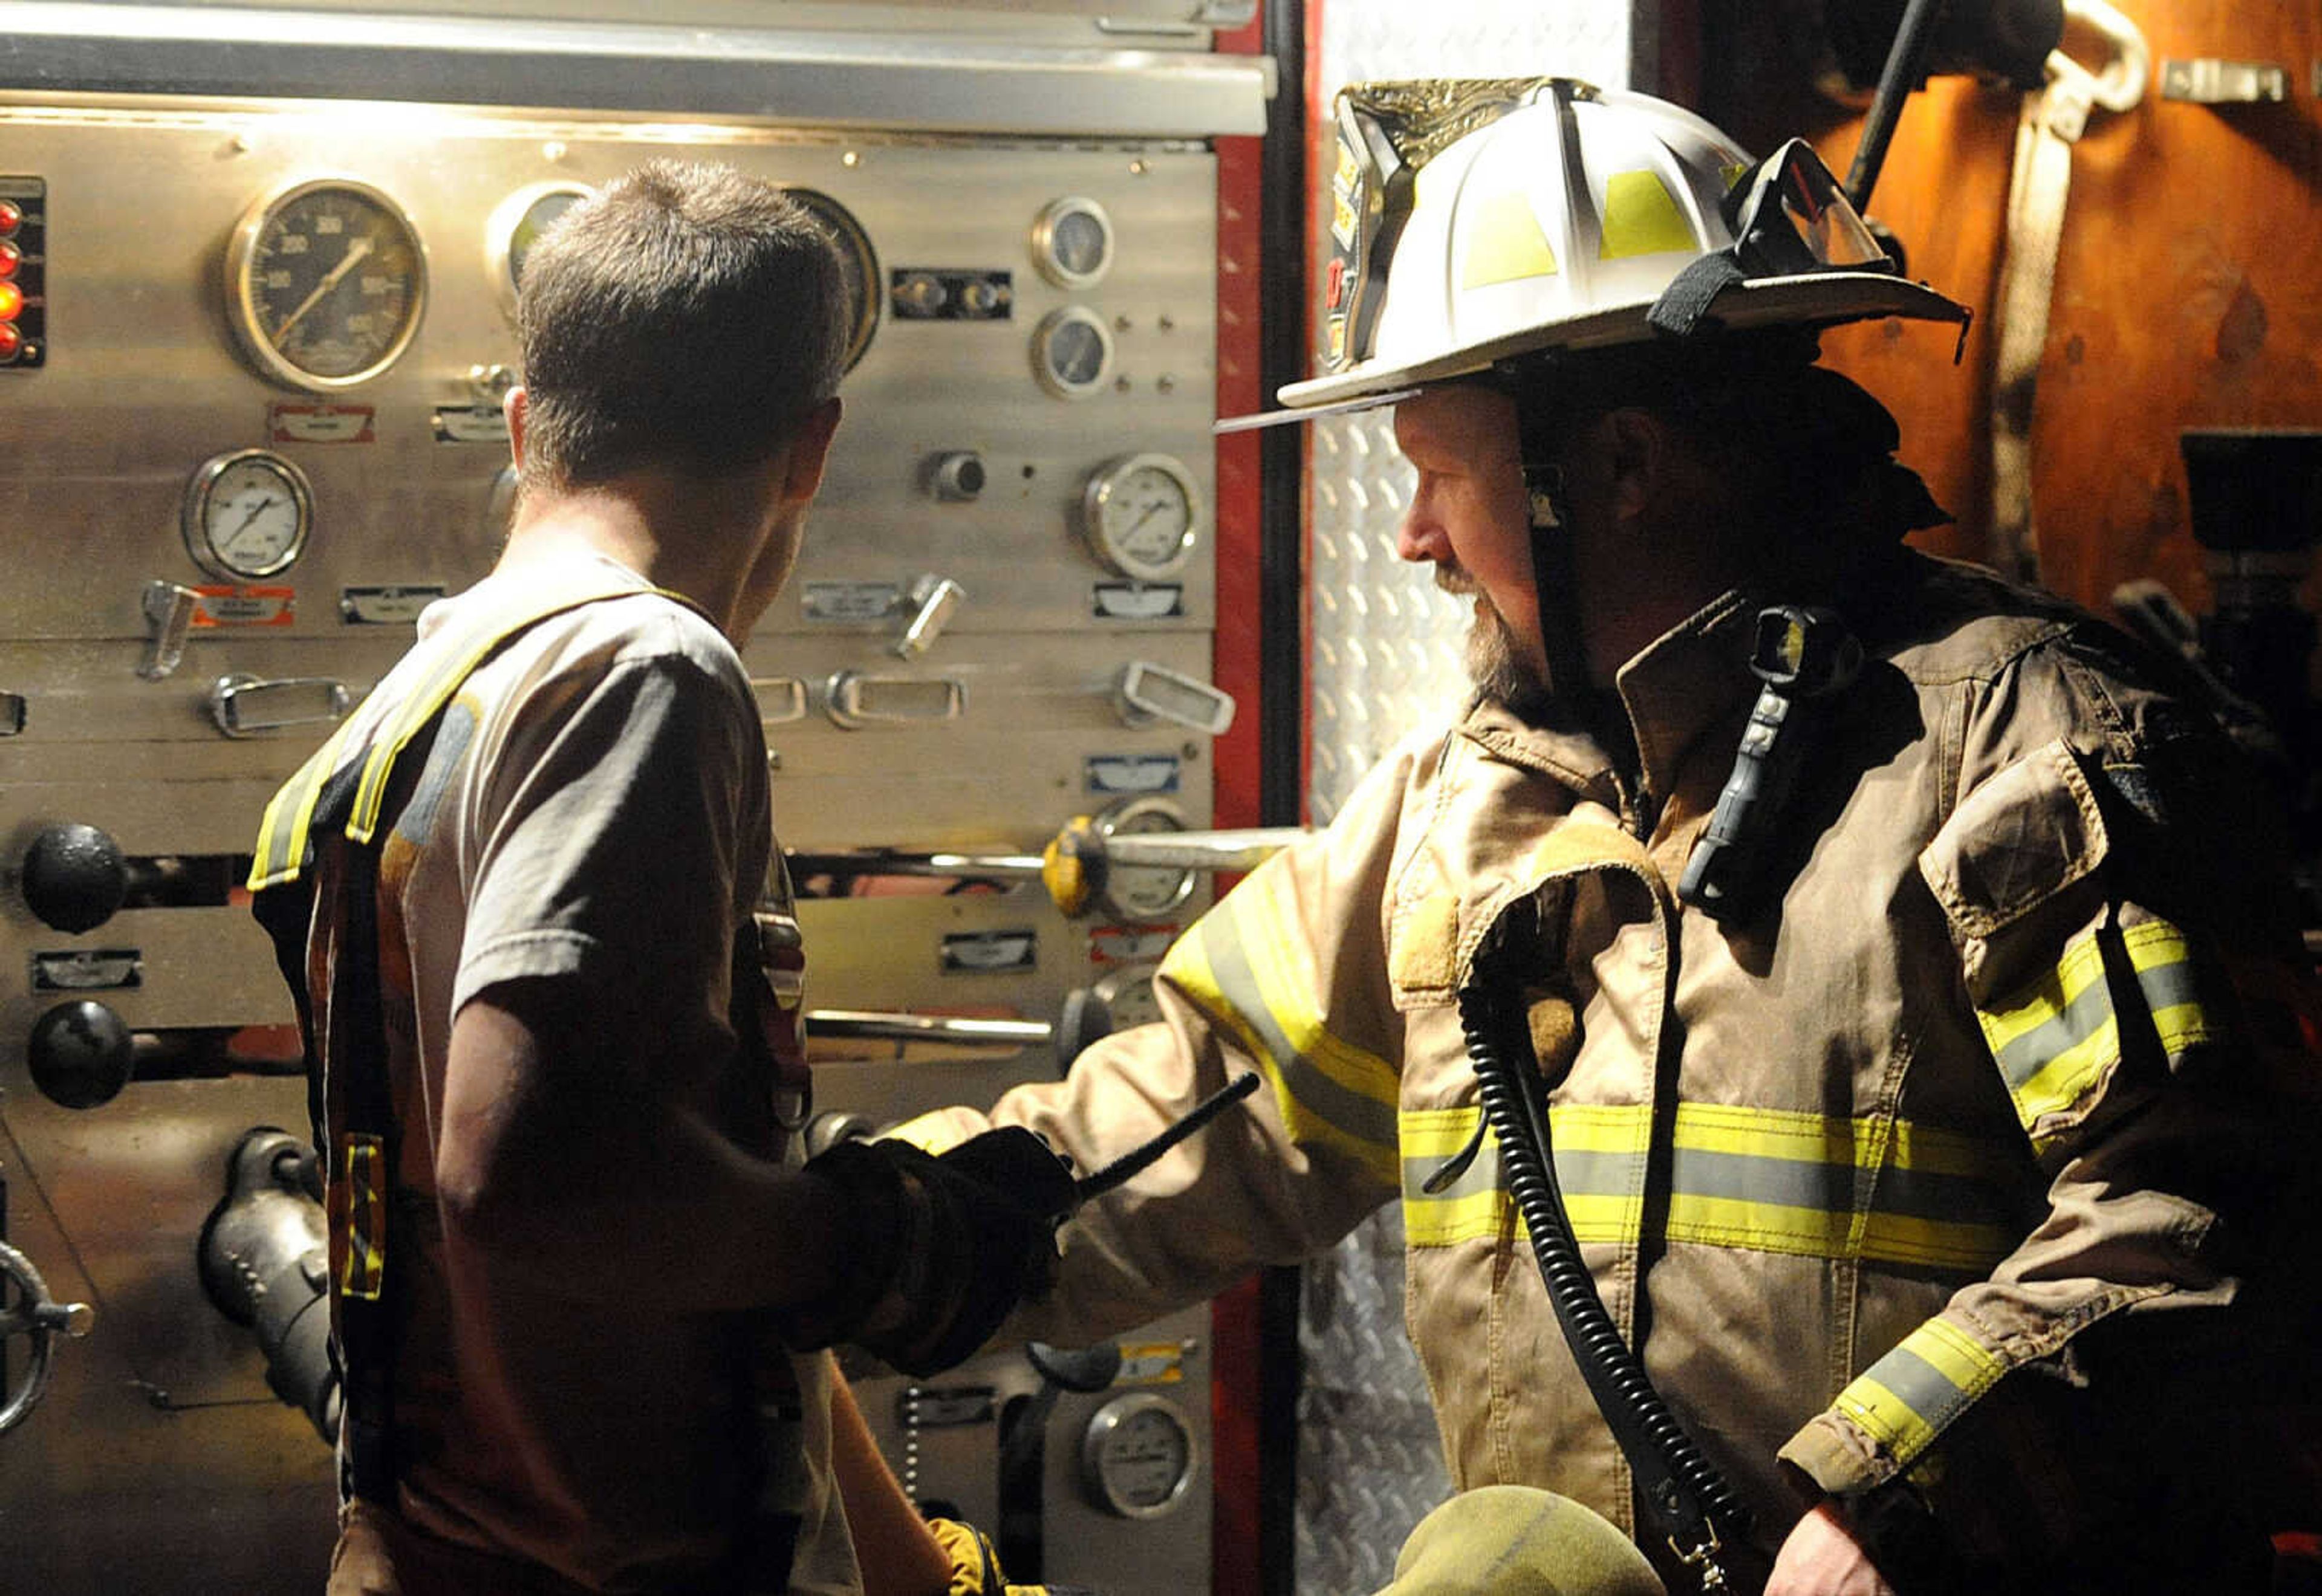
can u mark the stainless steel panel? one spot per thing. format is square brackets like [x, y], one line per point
[963, 83]
[160, 1428]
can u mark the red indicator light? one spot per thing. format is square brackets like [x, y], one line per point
[11, 341]
[11, 258]
[12, 216]
[11, 300]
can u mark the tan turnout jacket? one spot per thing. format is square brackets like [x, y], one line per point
[1860, 1168]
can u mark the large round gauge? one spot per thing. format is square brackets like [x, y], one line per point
[1143, 893]
[325, 281]
[1072, 243]
[858, 264]
[1138, 1455]
[1141, 515]
[1071, 353]
[246, 514]
[516, 225]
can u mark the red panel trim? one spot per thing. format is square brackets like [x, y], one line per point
[1234, 1394]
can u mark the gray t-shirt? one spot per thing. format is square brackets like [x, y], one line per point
[593, 815]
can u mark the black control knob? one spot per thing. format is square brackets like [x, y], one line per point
[81, 1055]
[74, 877]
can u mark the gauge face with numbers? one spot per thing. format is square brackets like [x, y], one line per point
[246, 514]
[1138, 1456]
[325, 283]
[1142, 514]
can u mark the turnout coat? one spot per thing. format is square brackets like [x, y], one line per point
[1911, 1185]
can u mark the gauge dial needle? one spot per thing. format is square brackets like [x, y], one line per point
[256, 510]
[356, 252]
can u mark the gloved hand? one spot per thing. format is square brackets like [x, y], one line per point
[976, 1566]
[951, 1244]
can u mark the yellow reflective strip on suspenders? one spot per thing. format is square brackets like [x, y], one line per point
[281, 852]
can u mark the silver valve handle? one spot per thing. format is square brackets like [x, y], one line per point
[169, 619]
[937, 599]
[1201, 850]
[855, 700]
[1145, 692]
[243, 705]
[27, 1309]
[876, 1026]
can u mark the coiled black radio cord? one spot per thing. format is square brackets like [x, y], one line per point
[1706, 1520]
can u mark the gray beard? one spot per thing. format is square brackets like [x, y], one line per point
[1491, 658]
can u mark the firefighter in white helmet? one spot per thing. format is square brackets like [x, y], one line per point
[1916, 996]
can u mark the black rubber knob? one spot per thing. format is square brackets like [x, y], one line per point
[81, 1055]
[1082, 1021]
[74, 877]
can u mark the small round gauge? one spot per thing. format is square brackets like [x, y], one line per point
[1071, 353]
[1072, 243]
[324, 281]
[1143, 893]
[1138, 1456]
[858, 264]
[247, 514]
[1141, 515]
[1128, 995]
[516, 225]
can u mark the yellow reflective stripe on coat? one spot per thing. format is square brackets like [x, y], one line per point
[1907, 1398]
[2056, 1039]
[364, 1160]
[1240, 963]
[1754, 1179]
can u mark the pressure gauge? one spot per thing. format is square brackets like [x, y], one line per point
[1141, 894]
[516, 225]
[1072, 243]
[1129, 994]
[246, 514]
[858, 268]
[324, 281]
[1141, 515]
[1138, 1456]
[1071, 353]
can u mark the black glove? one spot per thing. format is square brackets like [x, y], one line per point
[950, 1245]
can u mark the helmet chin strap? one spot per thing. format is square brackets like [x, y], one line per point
[1572, 696]
[1554, 587]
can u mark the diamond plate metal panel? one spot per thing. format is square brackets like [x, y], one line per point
[1386, 650]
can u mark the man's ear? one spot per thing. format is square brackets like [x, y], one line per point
[809, 450]
[1637, 452]
[517, 406]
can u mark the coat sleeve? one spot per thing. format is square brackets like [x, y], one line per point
[1284, 977]
[2124, 939]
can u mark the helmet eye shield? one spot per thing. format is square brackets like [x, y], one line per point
[1788, 215]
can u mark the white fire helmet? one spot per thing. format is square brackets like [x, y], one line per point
[1477, 219]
